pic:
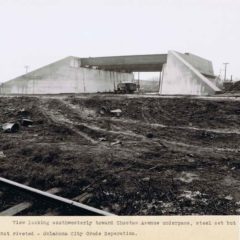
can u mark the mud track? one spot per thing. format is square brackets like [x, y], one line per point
[162, 156]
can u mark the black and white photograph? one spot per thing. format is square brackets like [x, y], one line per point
[119, 108]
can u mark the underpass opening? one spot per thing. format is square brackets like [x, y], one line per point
[148, 82]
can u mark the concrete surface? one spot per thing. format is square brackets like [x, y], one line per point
[204, 66]
[65, 76]
[134, 63]
[181, 75]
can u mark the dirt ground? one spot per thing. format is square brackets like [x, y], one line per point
[161, 156]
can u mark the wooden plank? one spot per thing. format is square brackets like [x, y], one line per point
[16, 209]
[83, 197]
[12, 211]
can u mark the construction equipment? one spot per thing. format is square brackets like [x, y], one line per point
[126, 88]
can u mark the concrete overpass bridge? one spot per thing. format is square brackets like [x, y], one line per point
[134, 63]
[180, 74]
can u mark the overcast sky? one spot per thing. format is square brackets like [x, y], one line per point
[38, 32]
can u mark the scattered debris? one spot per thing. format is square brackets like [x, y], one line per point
[191, 160]
[167, 207]
[206, 134]
[190, 195]
[23, 112]
[116, 112]
[146, 179]
[150, 135]
[187, 177]
[15, 127]
[116, 207]
[83, 198]
[102, 139]
[229, 197]
[10, 127]
[235, 163]
[120, 175]
[103, 110]
[115, 143]
[2, 155]
[26, 122]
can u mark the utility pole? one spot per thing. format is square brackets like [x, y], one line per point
[26, 67]
[225, 71]
[138, 82]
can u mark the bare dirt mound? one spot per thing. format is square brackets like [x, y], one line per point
[235, 86]
[170, 111]
[232, 86]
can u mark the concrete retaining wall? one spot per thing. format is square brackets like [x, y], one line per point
[181, 77]
[64, 76]
[204, 66]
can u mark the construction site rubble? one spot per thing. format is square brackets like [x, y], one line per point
[150, 161]
[26, 122]
[116, 143]
[2, 155]
[116, 112]
[10, 127]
